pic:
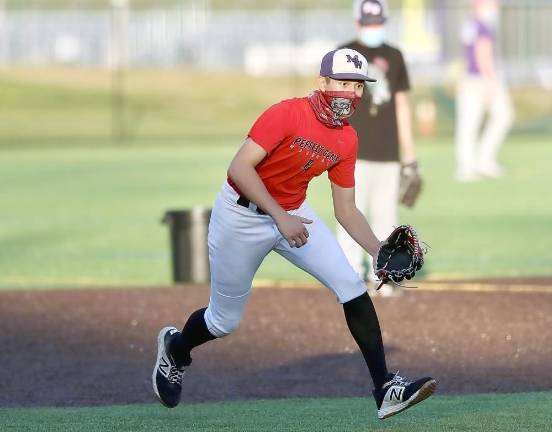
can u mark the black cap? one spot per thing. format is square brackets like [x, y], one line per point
[368, 12]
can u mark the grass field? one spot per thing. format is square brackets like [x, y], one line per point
[60, 105]
[64, 106]
[91, 216]
[477, 413]
[81, 210]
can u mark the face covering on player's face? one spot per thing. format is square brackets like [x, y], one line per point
[372, 37]
[331, 107]
[342, 103]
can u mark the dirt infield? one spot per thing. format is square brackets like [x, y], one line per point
[96, 347]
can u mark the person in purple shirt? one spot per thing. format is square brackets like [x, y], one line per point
[481, 91]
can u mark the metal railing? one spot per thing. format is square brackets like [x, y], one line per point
[192, 34]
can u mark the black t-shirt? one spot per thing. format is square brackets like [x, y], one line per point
[375, 118]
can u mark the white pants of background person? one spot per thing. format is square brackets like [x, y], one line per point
[476, 154]
[376, 196]
[240, 239]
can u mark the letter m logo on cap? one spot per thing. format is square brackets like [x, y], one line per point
[355, 61]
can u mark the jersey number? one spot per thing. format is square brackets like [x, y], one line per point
[308, 164]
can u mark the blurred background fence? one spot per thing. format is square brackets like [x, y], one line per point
[142, 69]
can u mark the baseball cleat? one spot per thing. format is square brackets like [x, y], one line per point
[397, 394]
[167, 377]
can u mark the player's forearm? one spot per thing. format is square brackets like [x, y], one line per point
[487, 68]
[404, 126]
[358, 228]
[251, 185]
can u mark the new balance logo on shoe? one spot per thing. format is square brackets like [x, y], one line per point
[398, 394]
[164, 367]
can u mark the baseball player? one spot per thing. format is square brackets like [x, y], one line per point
[262, 207]
[481, 90]
[382, 121]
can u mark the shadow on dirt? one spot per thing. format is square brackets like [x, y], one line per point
[96, 347]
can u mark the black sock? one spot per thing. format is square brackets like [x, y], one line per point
[364, 326]
[193, 334]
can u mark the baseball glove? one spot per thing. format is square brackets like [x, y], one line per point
[410, 184]
[400, 256]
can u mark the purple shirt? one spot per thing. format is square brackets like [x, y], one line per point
[473, 31]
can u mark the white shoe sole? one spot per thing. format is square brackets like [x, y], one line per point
[160, 349]
[425, 391]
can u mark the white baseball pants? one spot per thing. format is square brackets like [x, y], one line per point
[239, 239]
[474, 98]
[376, 196]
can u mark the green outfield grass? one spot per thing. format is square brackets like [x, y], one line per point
[62, 106]
[91, 215]
[48, 107]
[79, 209]
[477, 413]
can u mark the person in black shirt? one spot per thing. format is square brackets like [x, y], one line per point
[382, 121]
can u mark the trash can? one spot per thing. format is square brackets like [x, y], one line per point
[188, 239]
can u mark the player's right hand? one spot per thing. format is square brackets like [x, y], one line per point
[293, 229]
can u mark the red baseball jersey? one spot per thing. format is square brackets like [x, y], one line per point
[300, 148]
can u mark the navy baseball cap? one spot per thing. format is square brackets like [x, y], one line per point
[345, 64]
[368, 12]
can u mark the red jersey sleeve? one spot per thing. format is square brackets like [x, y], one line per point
[274, 125]
[343, 172]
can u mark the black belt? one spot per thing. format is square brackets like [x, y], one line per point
[243, 201]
